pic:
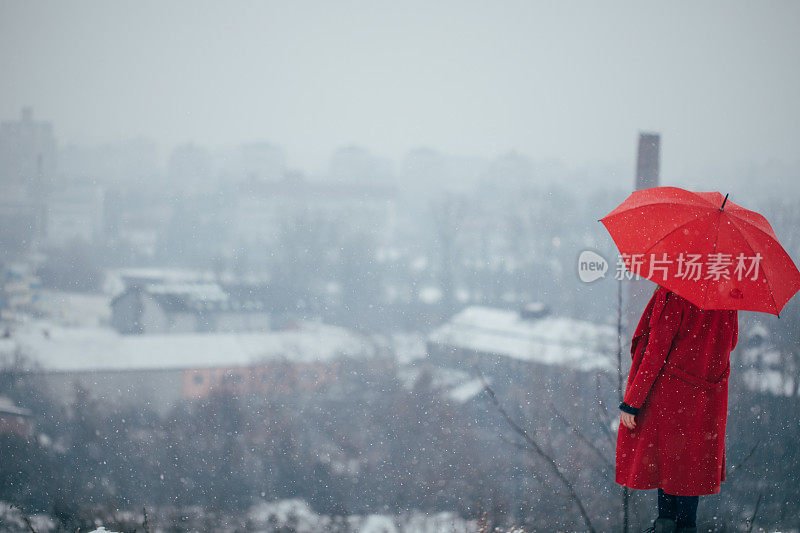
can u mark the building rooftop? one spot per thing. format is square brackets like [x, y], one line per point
[62, 349]
[547, 340]
[7, 407]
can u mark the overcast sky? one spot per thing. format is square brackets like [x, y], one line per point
[719, 80]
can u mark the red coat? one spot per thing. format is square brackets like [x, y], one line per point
[679, 381]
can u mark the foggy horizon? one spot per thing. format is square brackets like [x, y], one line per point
[575, 86]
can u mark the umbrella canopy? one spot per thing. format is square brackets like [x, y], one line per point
[700, 245]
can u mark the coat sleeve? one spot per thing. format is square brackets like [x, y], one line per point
[664, 324]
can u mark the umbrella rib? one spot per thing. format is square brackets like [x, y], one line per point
[708, 203]
[733, 215]
[705, 294]
[769, 287]
[716, 240]
[711, 204]
[673, 230]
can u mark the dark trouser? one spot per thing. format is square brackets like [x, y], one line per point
[682, 509]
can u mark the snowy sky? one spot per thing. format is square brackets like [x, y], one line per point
[577, 80]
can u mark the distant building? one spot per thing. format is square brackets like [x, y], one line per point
[190, 169]
[19, 289]
[262, 161]
[74, 212]
[503, 342]
[352, 164]
[157, 308]
[27, 157]
[124, 163]
[162, 370]
[27, 170]
[137, 218]
[425, 173]
[263, 208]
[513, 169]
[547, 364]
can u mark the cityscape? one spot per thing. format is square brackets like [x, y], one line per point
[243, 333]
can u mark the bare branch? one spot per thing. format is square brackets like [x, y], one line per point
[583, 438]
[746, 458]
[603, 417]
[755, 512]
[513, 443]
[25, 518]
[604, 424]
[538, 450]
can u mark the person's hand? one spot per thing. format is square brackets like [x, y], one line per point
[628, 420]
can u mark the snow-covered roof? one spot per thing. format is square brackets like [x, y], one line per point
[549, 340]
[57, 348]
[179, 297]
[408, 347]
[467, 391]
[7, 407]
[208, 292]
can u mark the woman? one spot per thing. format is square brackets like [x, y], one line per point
[672, 426]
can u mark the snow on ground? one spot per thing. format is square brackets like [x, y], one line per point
[376, 523]
[769, 381]
[12, 517]
[58, 348]
[408, 347]
[116, 280]
[764, 367]
[285, 515]
[430, 295]
[467, 391]
[200, 292]
[297, 514]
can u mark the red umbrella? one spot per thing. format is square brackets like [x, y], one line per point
[714, 253]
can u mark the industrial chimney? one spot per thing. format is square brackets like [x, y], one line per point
[647, 162]
[639, 291]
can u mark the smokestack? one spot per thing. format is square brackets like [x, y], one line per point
[648, 161]
[647, 166]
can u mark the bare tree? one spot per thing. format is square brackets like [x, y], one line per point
[536, 449]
